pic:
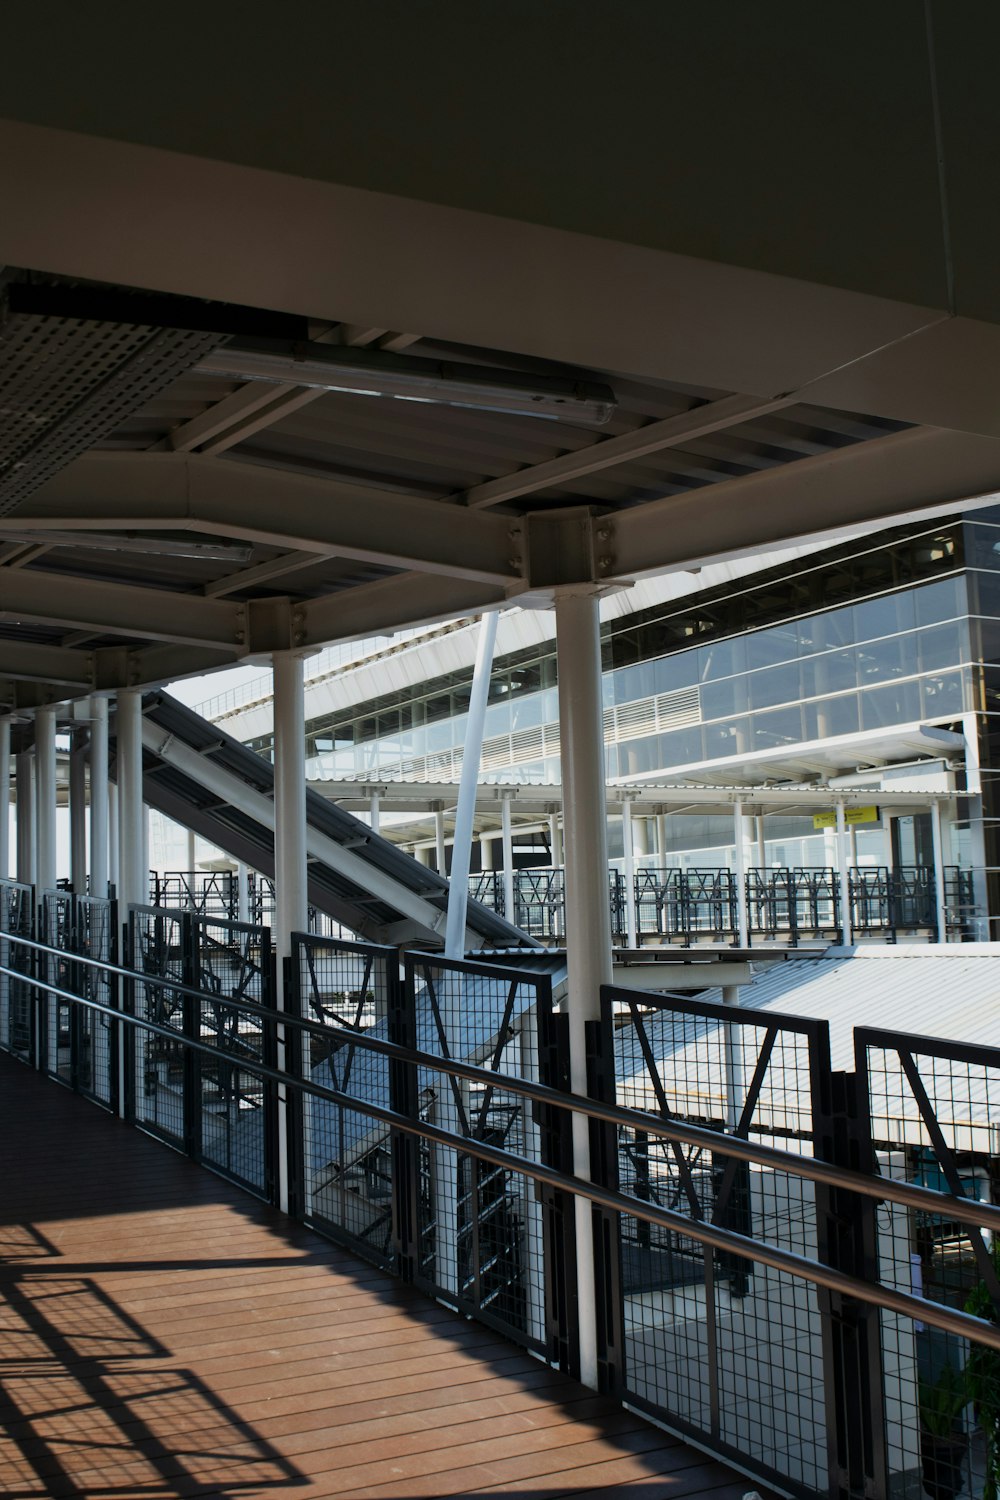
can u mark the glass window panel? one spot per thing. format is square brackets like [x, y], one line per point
[944, 695]
[940, 646]
[982, 546]
[637, 756]
[722, 658]
[898, 703]
[784, 727]
[725, 739]
[672, 672]
[776, 685]
[767, 647]
[880, 659]
[720, 700]
[938, 601]
[679, 747]
[826, 631]
[831, 716]
[834, 671]
[883, 616]
[527, 712]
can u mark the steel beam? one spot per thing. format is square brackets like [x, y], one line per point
[152, 614]
[607, 453]
[913, 469]
[157, 491]
[29, 662]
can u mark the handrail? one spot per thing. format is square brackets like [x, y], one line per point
[962, 1324]
[883, 1189]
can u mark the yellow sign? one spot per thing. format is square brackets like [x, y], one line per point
[851, 815]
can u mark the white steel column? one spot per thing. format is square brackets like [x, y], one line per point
[628, 870]
[940, 898]
[465, 813]
[45, 794]
[486, 852]
[661, 839]
[133, 881]
[192, 851]
[588, 917]
[114, 843]
[842, 876]
[439, 843]
[740, 873]
[78, 812]
[25, 791]
[508, 859]
[291, 872]
[555, 840]
[4, 798]
[374, 819]
[99, 798]
[761, 842]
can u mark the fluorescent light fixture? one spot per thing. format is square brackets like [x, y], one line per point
[362, 372]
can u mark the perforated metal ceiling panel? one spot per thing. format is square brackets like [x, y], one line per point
[66, 381]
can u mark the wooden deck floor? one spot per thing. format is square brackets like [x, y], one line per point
[162, 1334]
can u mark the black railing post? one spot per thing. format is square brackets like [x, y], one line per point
[191, 1020]
[404, 1148]
[606, 1225]
[296, 1053]
[555, 1129]
[846, 1233]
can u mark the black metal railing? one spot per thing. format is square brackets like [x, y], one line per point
[755, 1211]
[793, 905]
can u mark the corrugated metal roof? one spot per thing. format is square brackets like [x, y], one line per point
[948, 993]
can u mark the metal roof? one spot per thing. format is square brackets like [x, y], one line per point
[949, 992]
[158, 520]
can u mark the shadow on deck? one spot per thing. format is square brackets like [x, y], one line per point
[163, 1334]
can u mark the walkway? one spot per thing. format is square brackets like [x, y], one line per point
[162, 1334]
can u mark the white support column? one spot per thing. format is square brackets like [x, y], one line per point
[974, 787]
[133, 880]
[374, 818]
[78, 812]
[486, 852]
[242, 892]
[192, 851]
[740, 875]
[146, 845]
[291, 871]
[25, 772]
[628, 870]
[940, 897]
[588, 917]
[465, 813]
[842, 876]
[45, 793]
[99, 797]
[423, 856]
[640, 836]
[508, 859]
[555, 840]
[661, 840]
[440, 851]
[4, 798]
[114, 843]
[761, 842]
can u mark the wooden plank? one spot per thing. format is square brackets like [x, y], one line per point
[165, 1334]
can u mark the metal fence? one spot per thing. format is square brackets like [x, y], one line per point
[18, 999]
[700, 1331]
[792, 1267]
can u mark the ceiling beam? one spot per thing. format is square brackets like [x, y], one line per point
[917, 468]
[158, 491]
[607, 453]
[265, 572]
[29, 662]
[150, 614]
[412, 599]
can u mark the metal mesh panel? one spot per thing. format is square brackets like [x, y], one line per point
[95, 937]
[58, 923]
[232, 961]
[793, 903]
[719, 1347]
[934, 1108]
[212, 893]
[347, 1163]
[157, 950]
[69, 381]
[479, 1226]
[540, 903]
[17, 1007]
